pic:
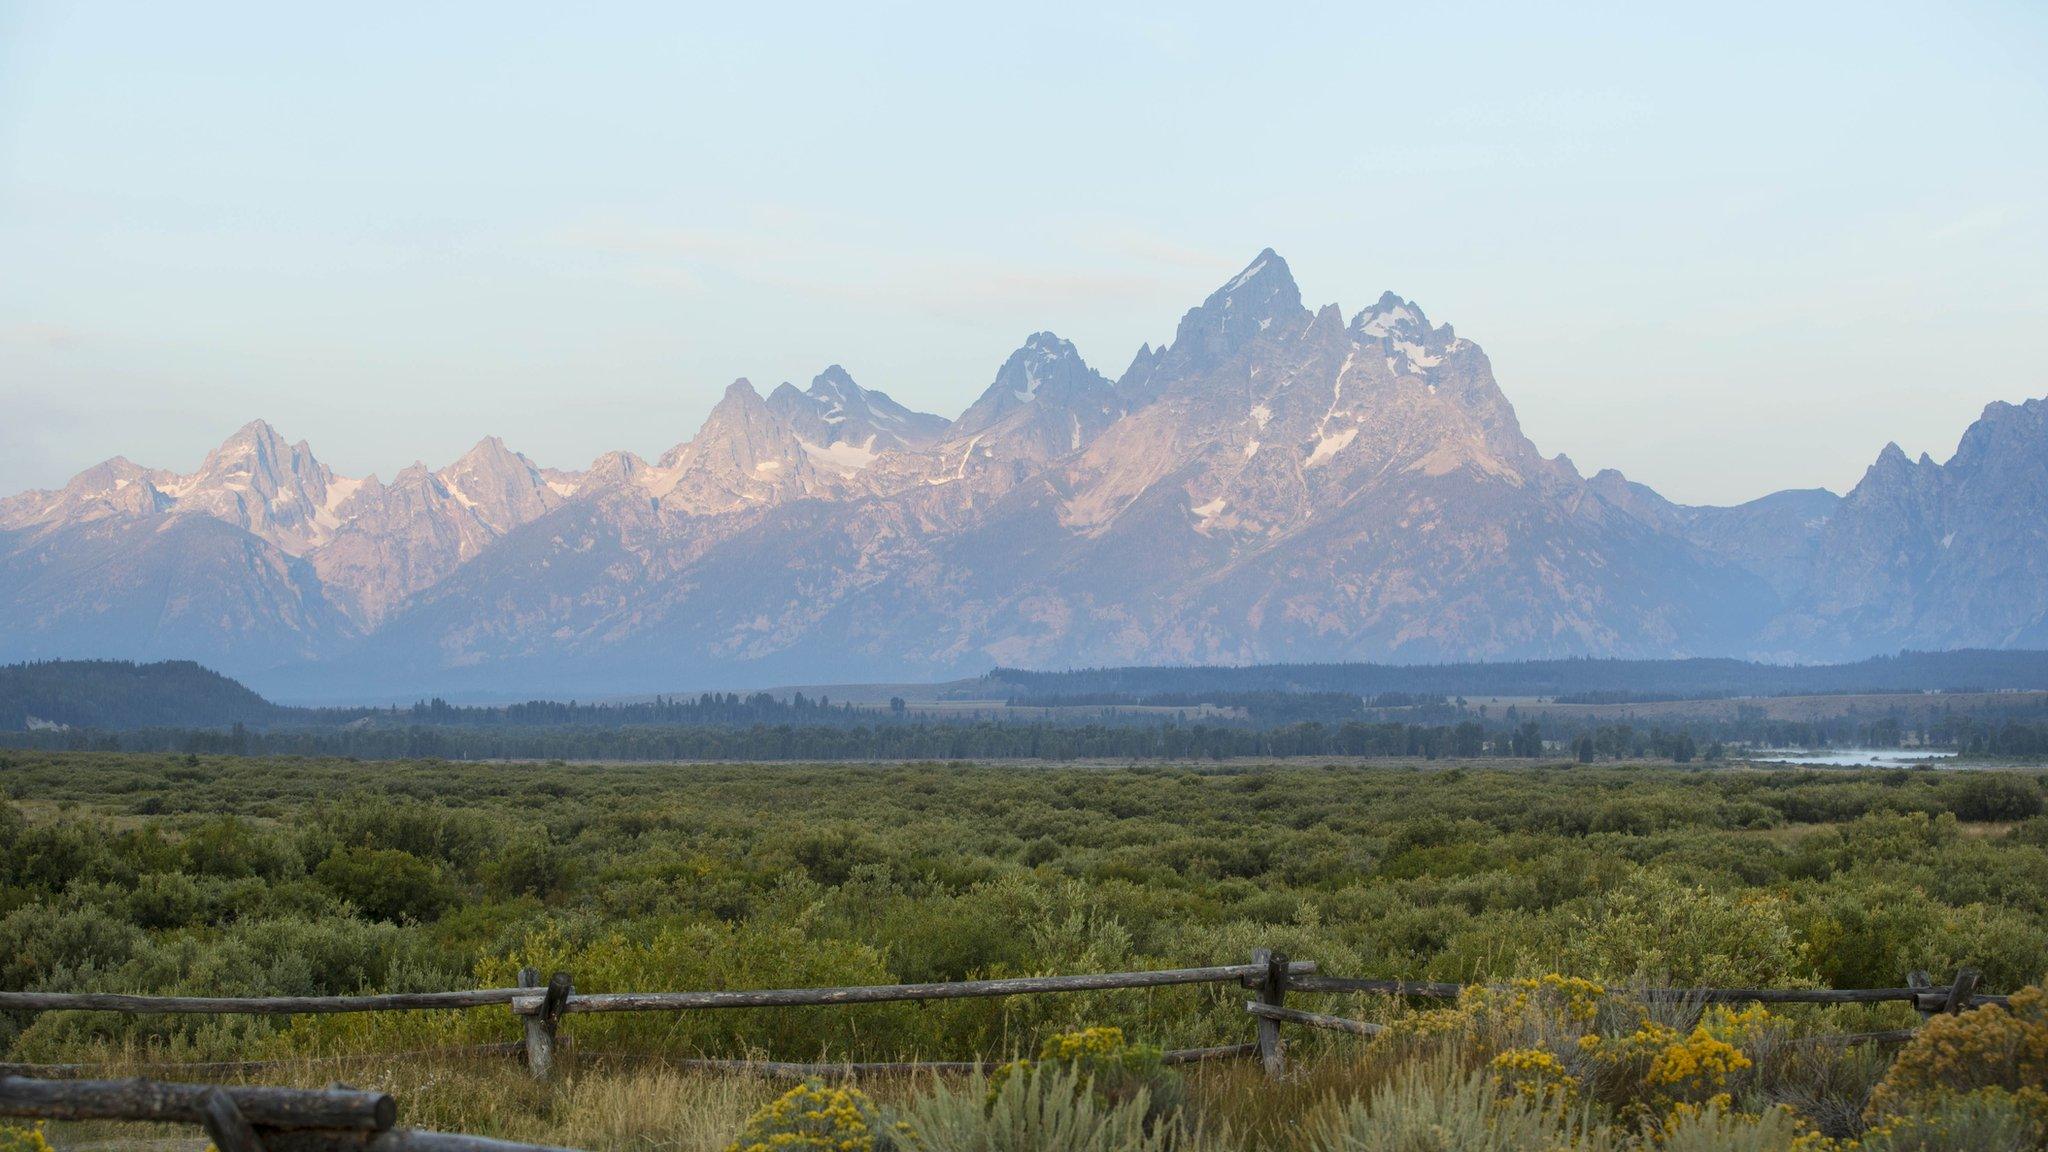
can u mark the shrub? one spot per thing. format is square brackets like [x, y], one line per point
[813, 1117]
[164, 900]
[41, 946]
[2034, 832]
[1991, 1047]
[18, 1139]
[384, 883]
[1653, 925]
[1987, 1120]
[1992, 796]
[1431, 1106]
[232, 848]
[12, 825]
[1042, 1108]
[527, 867]
[1720, 1128]
[1864, 935]
[1116, 1072]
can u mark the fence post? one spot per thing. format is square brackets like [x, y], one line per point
[1272, 990]
[540, 1027]
[1919, 981]
[225, 1125]
[1962, 990]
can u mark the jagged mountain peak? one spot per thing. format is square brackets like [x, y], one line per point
[258, 441]
[1391, 317]
[1260, 303]
[1266, 287]
[2021, 428]
[491, 457]
[490, 447]
[257, 431]
[1246, 307]
[1045, 373]
[498, 486]
[834, 381]
[115, 486]
[846, 412]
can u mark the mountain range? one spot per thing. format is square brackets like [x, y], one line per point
[1277, 483]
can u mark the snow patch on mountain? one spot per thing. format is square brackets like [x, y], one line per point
[1328, 446]
[842, 456]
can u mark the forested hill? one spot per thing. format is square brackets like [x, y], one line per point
[117, 694]
[1979, 669]
[108, 695]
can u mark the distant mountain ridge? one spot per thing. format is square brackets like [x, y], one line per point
[1275, 484]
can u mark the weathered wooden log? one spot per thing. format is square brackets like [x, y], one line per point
[243, 1067]
[395, 1140]
[881, 993]
[1845, 1039]
[1204, 1055]
[800, 1069]
[1421, 988]
[1920, 982]
[1775, 995]
[541, 1025]
[1272, 991]
[254, 1005]
[413, 1140]
[1922, 996]
[1960, 992]
[225, 1125]
[1277, 1014]
[181, 1103]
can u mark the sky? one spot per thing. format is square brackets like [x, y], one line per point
[1725, 248]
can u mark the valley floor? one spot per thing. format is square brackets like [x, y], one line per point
[245, 876]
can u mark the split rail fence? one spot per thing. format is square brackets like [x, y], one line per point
[249, 1119]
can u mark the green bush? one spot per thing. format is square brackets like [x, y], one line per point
[1657, 927]
[384, 883]
[1988, 1120]
[1434, 1106]
[1115, 1071]
[1867, 935]
[1992, 796]
[42, 947]
[1041, 1109]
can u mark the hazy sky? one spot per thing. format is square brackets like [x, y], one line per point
[1725, 248]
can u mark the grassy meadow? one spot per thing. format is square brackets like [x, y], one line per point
[247, 876]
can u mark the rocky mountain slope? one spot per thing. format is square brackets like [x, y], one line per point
[1276, 483]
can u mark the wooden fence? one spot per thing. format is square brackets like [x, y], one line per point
[244, 1119]
[1270, 975]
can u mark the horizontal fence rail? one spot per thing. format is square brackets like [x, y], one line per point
[1923, 999]
[531, 1003]
[789, 1069]
[256, 1005]
[540, 1007]
[245, 1119]
[335, 1109]
[1314, 1019]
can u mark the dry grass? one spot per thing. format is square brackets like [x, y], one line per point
[602, 1105]
[601, 1108]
